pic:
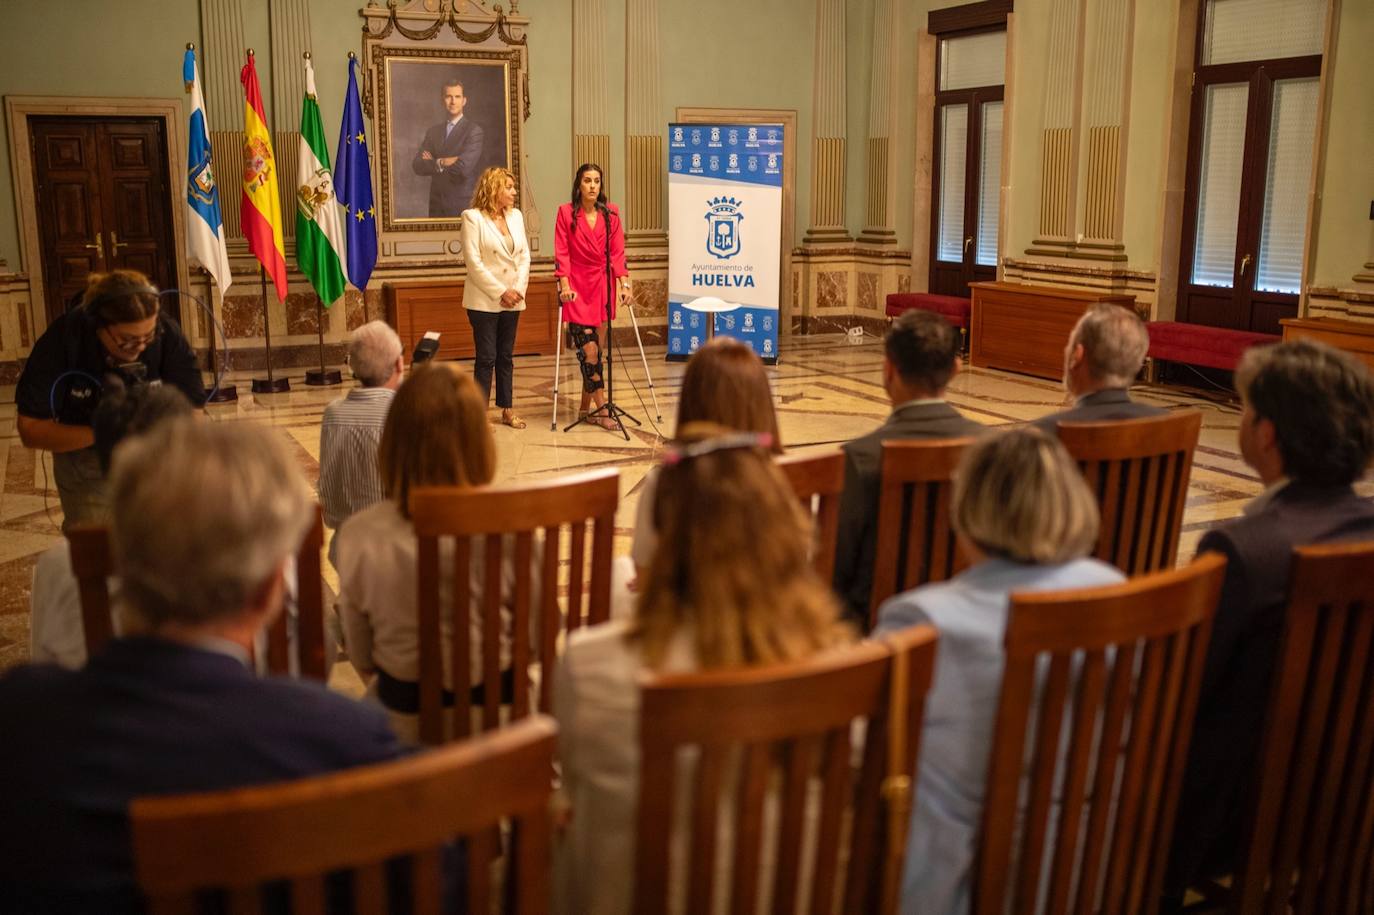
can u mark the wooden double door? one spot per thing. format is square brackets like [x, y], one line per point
[104, 202]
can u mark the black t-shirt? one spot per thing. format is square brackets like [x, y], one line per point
[66, 371]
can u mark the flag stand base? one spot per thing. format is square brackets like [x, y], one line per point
[323, 377]
[271, 385]
[225, 393]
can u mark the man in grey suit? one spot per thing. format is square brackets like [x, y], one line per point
[1308, 430]
[921, 355]
[451, 155]
[1105, 351]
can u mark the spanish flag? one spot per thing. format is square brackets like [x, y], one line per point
[260, 207]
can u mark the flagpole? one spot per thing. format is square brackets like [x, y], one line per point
[322, 376]
[271, 384]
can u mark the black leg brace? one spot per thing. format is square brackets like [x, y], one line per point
[581, 335]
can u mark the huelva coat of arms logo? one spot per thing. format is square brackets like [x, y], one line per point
[257, 164]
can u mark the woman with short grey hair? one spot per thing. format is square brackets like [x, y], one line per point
[1027, 521]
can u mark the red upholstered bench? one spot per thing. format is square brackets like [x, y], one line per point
[955, 309]
[1197, 344]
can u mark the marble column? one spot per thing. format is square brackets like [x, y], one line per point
[591, 126]
[643, 184]
[881, 106]
[827, 221]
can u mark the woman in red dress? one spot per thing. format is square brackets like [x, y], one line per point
[584, 230]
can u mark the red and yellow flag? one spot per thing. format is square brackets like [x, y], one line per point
[260, 207]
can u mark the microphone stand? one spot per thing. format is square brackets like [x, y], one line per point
[609, 409]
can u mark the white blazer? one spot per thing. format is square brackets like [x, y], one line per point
[492, 268]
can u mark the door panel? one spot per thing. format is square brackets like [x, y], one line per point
[966, 180]
[140, 223]
[67, 184]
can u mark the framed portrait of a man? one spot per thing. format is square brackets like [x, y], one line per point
[444, 115]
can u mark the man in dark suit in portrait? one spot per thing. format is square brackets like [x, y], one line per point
[1307, 428]
[451, 155]
[206, 516]
[1105, 351]
[921, 355]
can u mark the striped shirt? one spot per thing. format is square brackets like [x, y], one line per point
[349, 436]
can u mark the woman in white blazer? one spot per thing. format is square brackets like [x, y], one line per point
[498, 261]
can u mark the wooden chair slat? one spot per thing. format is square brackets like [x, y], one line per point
[818, 481]
[800, 763]
[427, 880]
[550, 617]
[777, 716]
[369, 888]
[576, 570]
[529, 878]
[180, 905]
[1359, 785]
[1139, 470]
[1086, 702]
[916, 478]
[522, 637]
[308, 896]
[278, 650]
[744, 893]
[1167, 614]
[459, 714]
[311, 649]
[706, 800]
[92, 564]
[835, 792]
[491, 632]
[603, 542]
[430, 643]
[482, 851]
[1049, 721]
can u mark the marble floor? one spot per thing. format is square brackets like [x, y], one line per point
[827, 391]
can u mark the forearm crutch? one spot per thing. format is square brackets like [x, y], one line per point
[557, 352]
[645, 359]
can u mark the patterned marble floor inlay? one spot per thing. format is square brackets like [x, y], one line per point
[827, 391]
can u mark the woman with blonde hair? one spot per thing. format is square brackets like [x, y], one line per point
[731, 586]
[1027, 521]
[725, 383]
[436, 434]
[497, 256]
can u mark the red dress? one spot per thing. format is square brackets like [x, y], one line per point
[580, 255]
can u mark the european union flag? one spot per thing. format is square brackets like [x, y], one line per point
[353, 186]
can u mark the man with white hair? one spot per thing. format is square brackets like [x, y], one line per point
[352, 426]
[201, 541]
[1105, 351]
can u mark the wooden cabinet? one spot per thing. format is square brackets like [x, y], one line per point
[1023, 328]
[1355, 337]
[414, 308]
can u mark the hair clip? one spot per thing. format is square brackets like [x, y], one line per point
[676, 454]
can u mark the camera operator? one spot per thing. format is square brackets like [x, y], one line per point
[118, 329]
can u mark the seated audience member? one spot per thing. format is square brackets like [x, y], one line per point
[1105, 351]
[920, 356]
[731, 585]
[726, 384]
[56, 635]
[205, 517]
[1307, 428]
[352, 427]
[1027, 521]
[436, 434]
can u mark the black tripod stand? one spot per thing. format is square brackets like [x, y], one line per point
[608, 410]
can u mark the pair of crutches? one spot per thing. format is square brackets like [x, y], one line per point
[611, 410]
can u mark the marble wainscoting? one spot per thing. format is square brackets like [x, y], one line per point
[827, 391]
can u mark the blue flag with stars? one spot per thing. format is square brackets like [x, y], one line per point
[353, 186]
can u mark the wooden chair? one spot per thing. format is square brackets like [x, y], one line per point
[1138, 469]
[92, 564]
[505, 517]
[915, 537]
[818, 480]
[1098, 695]
[237, 840]
[1311, 840]
[787, 726]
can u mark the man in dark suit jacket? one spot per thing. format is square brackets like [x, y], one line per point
[921, 355]
[201, 543]
[1105, 351]
[1308, 431]
[451, 155]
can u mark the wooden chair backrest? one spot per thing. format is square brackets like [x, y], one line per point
[818, 481]
[1138, 469]
[1311, 843]
[585, 505]
[93, 564]
[915, 537]
[1099, 694]
[235, 841]
[788, 726]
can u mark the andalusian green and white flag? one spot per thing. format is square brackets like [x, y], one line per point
[319, 221]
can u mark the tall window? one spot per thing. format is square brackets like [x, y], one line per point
[1250, 162]
[967, 179]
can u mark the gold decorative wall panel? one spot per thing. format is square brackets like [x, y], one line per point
[1056, 182]
[827, 182]
[593, 148]
[877, 181]
[1100, 196]
[643, 183]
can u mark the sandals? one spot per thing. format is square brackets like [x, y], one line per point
[508, 418]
